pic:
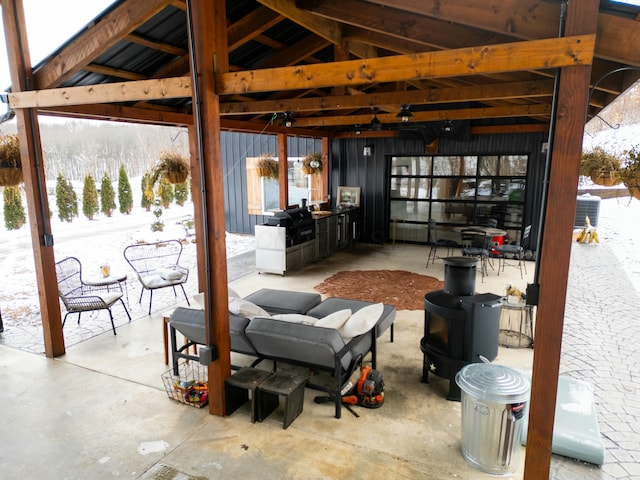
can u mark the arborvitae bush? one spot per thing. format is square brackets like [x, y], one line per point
[107, 196]
[90, 204]
[14, 216]
[181, 193]
[165, 192]
[66, 199]
[125, 197]
[147, 192]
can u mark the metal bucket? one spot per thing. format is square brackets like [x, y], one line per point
[493, 402]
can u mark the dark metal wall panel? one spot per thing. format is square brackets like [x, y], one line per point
[236, 147]
[351, 167]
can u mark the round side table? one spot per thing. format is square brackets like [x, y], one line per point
[516, 325]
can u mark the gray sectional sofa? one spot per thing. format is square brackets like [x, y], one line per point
[280, 340]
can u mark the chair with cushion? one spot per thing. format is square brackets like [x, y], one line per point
[514, 251]
[77, 297]
[476, 243]
[157, 266]
[436, 242]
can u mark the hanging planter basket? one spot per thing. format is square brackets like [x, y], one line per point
[10, 162]
[602, 167]
[630, 173]
[267, 167]
[173, 166]
[312, 163]
[177, 176]
[605, 178]
[10, 176]
[633, 185]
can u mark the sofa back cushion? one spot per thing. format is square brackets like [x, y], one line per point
[299, 343]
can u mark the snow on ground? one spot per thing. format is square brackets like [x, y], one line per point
[93, 242]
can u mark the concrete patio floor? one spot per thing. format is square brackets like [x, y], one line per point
[101, 411]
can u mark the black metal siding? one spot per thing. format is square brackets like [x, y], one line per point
[350, 167]
[236, 147]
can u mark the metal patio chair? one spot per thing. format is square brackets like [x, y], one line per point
[514, 251]
[78, 297]
[157, 266]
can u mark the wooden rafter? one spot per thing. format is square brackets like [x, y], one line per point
[496, 91]
[251, 26]
[618, 37]
[529, 55]
[427, 31]
[446, 114]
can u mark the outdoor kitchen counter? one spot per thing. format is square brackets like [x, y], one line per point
[333, 230]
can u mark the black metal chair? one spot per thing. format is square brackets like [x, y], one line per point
[476, 243]
[438, 242]
[514, 251]
[157, 266]
[77, 297]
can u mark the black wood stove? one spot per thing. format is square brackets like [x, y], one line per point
[460, 326]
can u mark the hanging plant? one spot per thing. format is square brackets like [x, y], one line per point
[630, 173]
[267, 167]
[10, 162]
[312, 163]
[603, 168]
[171, 165]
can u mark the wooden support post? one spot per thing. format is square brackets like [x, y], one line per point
[555, 254]
[34, 178]
[283, 169]
[208, 30]
[197, 194]
[325, 168]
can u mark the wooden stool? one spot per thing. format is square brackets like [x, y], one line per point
[291, 387]
[241, 387]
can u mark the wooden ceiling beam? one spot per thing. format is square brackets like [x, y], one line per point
[251, 26]
[327, 29]
[156, 45]
[114, 72]
[143, 90]
[543, 88]
[324, 28]
[527, 55]
[96, 40]
[303, 49]
[538, 110]
[120, 113]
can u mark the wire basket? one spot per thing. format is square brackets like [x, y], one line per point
[189, 386]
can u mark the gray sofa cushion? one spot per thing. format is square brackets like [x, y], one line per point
[284, 301]
[333, 304]
[190, 323]
[296, 342]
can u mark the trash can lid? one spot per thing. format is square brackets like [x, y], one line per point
[493, 383]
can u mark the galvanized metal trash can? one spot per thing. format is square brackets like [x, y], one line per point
[493, 401]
